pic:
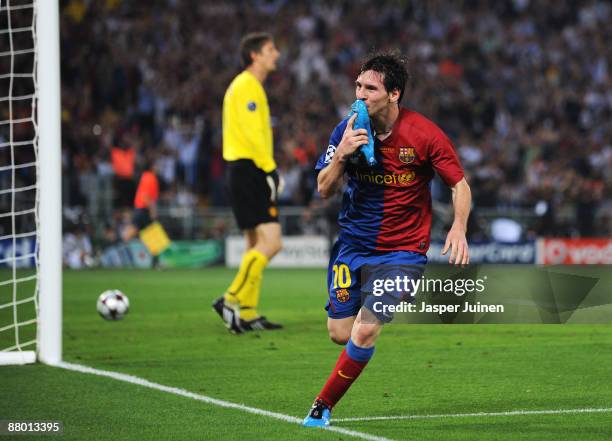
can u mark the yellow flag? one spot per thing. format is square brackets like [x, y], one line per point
[155, 238]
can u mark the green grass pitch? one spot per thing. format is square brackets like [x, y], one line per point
[172, 337]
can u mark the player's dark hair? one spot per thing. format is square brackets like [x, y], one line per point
[252, 43]
[393, 68]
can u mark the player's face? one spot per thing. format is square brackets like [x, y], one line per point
[267, 56]
[369, 87]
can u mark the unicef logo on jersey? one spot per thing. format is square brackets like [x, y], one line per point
[329, 154]
[388, 179]
[251, 106]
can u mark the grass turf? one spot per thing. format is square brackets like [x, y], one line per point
[172, 337]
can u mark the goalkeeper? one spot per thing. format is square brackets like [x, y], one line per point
[253, 182]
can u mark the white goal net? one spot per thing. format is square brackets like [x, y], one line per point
[20, 183]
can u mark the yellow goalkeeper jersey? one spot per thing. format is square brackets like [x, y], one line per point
[247, 132]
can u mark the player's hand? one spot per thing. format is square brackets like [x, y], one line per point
[351, 140]
[457, 243]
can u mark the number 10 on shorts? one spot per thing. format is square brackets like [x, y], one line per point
[342, 276]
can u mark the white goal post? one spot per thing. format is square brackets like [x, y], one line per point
[39, 290]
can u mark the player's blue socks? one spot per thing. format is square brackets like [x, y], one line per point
[358, 353]
[363, 122]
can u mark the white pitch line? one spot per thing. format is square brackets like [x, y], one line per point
[478, 414]
[214, 401]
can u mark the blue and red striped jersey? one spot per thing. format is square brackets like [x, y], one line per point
[388, 207]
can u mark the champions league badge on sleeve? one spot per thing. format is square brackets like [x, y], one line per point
[329, 154]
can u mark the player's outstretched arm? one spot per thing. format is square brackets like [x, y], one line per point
[330, 178]
[455, 240]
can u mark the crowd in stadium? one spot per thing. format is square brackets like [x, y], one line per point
[523, 87]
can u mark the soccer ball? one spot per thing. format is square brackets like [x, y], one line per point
[112, 305]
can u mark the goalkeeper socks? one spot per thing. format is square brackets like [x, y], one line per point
[351, 362]
[244, 289]
[248, 314]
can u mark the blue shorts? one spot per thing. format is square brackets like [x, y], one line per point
[352, 272]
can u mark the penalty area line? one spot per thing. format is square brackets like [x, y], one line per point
[209, 400]
[479, 414]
